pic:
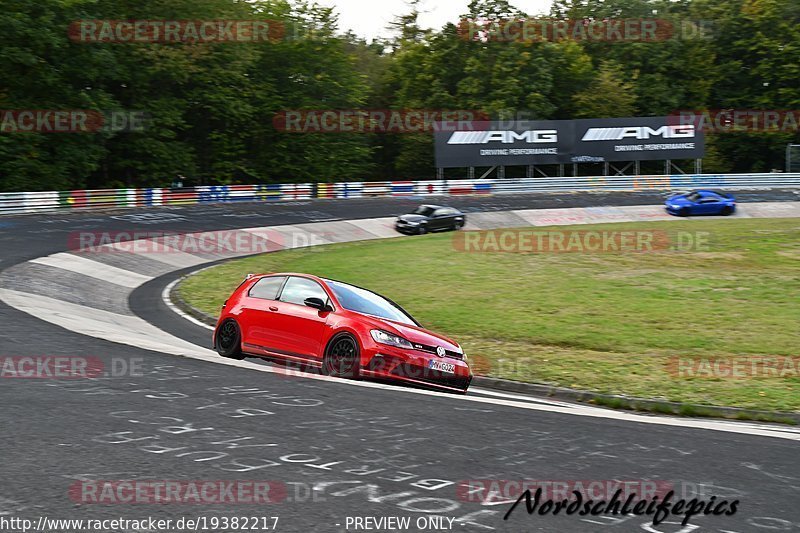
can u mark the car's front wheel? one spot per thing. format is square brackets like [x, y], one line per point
[342, 357]
[685, 212]
[422, 229]
[229, 340]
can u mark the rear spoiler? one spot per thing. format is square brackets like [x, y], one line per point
[246, 279]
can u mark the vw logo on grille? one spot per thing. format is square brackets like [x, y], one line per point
[440, 351]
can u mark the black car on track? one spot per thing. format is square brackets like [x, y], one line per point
[428, 218]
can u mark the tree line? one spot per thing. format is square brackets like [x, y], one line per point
[207, 110]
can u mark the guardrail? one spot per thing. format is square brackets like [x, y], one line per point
[32, 202]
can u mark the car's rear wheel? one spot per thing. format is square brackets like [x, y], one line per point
[458, 225]
[727, 211]
[685, 212]
[229, 340]
[342, 357]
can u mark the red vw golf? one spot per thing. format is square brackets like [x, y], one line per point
[345, 330]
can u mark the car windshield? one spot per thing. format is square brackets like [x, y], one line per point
[424, 210]
[694, 197]
[367, 302]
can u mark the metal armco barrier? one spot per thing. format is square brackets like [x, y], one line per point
[33, 202]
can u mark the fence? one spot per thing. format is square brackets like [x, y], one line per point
[32, 202]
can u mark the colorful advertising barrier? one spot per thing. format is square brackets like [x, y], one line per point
[32, 202]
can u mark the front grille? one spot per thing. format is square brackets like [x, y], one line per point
[432, 349]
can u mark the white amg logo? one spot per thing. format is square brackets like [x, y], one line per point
[639, 132]
[505, 137]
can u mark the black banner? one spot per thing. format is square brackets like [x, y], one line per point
[507, 143]
[636, 139]
[545, 142]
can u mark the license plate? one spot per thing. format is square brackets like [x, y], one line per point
[447, 368]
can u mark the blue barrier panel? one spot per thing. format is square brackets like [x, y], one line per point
[213, 194]
[402, 187]
[483, 187]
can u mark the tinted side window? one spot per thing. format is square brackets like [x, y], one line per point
[267, 288]
[297, 290]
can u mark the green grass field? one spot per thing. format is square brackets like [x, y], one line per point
[605, 322]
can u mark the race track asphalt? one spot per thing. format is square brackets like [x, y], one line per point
[335, 451]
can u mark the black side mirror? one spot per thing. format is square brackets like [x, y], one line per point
[317, 303]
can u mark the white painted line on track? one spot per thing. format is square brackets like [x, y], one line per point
[165, 254]
[175, 309]
[93, 269]
[515, 396]
[106, 325]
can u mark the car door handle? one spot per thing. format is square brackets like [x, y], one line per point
[272, 308]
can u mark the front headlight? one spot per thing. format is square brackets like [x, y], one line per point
[384, 337]
[412, 222]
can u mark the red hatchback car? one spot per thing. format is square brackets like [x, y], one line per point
[342, 329]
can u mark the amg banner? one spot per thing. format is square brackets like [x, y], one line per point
[636, 139]
[568, 141]
[508, 143]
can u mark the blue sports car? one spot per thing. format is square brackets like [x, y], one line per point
[701, 202]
